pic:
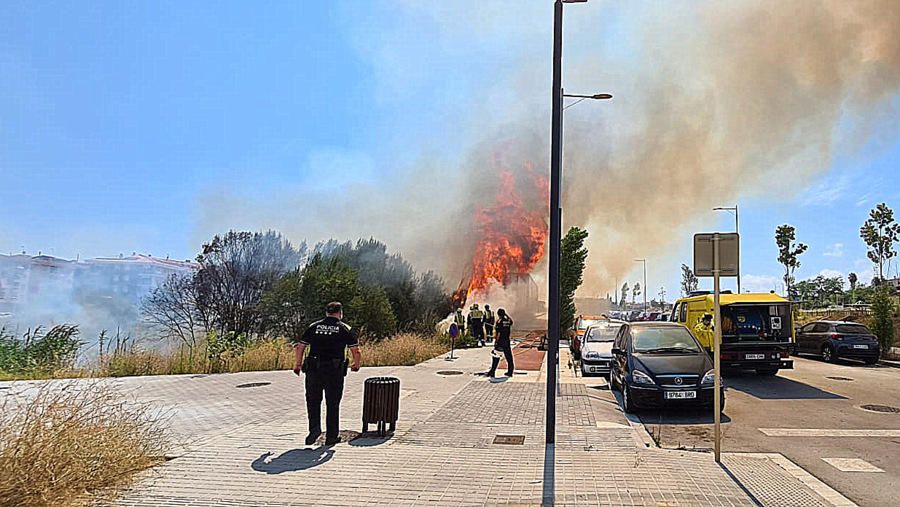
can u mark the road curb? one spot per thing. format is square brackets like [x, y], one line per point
[889, 363]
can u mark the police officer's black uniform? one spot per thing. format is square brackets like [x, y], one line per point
[504, 329]
[325, 367]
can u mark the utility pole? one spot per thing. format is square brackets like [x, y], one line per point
[737, 229]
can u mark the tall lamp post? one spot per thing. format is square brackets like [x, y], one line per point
[644, 262]
[737, 229]
[553, 309]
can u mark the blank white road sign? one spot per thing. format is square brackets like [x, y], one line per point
[729, 248]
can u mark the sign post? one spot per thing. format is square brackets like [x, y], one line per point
[717, 255]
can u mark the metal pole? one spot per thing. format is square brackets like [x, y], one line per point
[737, 229]
[555, 224]
[717, 357]
[645, 285]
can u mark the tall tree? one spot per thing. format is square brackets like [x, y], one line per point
[623, 299]
[173, 308]
[689, 282]
[788, 253]
[853, 279]
[635, 292]
[880, 232]
[236, 269]
[882, 321]
[662, 297]
[571, 273]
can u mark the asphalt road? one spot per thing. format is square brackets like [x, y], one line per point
[814, 396]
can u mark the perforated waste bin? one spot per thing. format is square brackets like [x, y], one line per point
[381, 403]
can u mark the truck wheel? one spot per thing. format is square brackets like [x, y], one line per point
[768, 372]
[828, 354]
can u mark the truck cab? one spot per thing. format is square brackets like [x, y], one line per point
[757, 329]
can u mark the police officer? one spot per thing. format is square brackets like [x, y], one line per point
[504, 329]
[488, 323]
[325, 368]
[476, 324]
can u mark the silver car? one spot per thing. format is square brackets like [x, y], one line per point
[596, 347]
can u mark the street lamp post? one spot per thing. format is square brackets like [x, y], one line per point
[553, 310]
[644, 292]
[736, 230]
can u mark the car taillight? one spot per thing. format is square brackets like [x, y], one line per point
[785, 354]
[835, 336]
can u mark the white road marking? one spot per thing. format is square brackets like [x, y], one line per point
[810, 432]
[852, 465]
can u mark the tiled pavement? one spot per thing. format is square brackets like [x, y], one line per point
[244, 447]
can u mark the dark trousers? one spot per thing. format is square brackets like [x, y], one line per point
[489, 330]
[332, 385]
[477, 331]
[507, 351]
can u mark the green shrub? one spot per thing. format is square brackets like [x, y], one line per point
[882, 318]
[38, 353]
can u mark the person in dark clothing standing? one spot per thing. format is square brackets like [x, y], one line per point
[504, 328]
[325, 368]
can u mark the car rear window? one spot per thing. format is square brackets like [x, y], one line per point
[585, 323]
[602, 333]
[852, 329]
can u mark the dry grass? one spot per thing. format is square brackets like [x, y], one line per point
[405, 349]
[73, 444]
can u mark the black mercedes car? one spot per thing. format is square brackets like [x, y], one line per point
[661, 363]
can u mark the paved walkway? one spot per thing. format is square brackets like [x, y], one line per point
[244, 446]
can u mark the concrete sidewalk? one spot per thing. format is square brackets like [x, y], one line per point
[243, 445]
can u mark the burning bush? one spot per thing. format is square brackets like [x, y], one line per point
[71, 444]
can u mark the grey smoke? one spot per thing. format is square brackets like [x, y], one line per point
[713, 101]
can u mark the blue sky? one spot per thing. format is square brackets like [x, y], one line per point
[119, 120]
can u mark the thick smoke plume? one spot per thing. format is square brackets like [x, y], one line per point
[713, 101]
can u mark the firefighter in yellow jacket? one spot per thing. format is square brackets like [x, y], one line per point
[705, 331]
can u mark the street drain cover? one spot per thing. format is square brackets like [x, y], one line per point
[510, 439]
[884, 409]
[449, 372]
[845, 379]
[253, 384]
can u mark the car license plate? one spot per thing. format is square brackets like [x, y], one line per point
[754, 356]
[860, 346]
[680, 395]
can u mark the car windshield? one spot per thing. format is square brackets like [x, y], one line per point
[602, 333]
[852, 329]
[652, 340]
[585, 323]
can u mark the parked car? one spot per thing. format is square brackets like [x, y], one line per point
[596, 347]
[661, 363]
[582, 322]
[835, 340]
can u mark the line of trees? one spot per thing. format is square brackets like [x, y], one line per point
[253, 285]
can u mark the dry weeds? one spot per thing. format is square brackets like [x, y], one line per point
[74, 443]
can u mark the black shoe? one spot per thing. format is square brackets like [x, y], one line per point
[332, 440]
[312, 437]
[508, 374]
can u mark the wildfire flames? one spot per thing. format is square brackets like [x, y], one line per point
[510, 233]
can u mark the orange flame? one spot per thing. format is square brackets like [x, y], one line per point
[511, 232]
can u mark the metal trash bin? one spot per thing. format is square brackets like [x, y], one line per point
[381, 403]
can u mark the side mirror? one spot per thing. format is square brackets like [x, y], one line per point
[618, 351]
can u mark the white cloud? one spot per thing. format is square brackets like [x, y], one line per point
[827, 191]
[835, 250]
[761, 283]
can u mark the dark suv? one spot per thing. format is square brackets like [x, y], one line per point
[661, 363]
[835, 340]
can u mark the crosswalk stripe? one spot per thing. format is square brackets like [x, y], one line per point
[811, 432]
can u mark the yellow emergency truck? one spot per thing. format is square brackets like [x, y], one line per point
[757, 330]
